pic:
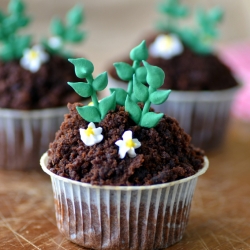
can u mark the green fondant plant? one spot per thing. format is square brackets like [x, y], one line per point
[200, 37]
[173, 12]
[12, 44]
[68, 32]
[84, 69]
[144, 82]
[142, 87]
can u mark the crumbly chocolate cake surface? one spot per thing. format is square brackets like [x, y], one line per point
[190, 71]
[165, 154]
[22, 89]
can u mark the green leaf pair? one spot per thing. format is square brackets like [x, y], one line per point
[84, 69]
[13, 45]
[94, 114]
[68, 32]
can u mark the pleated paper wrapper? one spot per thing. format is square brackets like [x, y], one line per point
[131, 217]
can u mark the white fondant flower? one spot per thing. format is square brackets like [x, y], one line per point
[127, 145]
[55, 42]
[91, 135]
[166, 46]
[33, 58]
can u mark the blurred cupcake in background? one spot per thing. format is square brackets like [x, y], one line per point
[203, 87]
[33, 93]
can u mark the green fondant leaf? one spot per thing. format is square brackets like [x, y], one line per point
[124, 71]
[120, 94]
[140, 90]
[81, 88]
[107, 104]
[159, 96]
[133, 109]
[73, 35]
[155, 75]
[57, 27]
[150, 119]
[140, 52]
[75, 16]
[83, 67]
[141, 74]
[89, 113]
[216, 14]
[100, 82]
[16, 6]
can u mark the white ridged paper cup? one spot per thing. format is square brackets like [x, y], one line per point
[122, 217]
[25, 135]
[204, 115]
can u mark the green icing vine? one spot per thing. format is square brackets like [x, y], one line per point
[143, 84]
[200, 37]
[68, 32]
[12, 45]
[84, 69]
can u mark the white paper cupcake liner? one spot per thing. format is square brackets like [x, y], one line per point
[119, 217]
[204, 115]
[25, 135]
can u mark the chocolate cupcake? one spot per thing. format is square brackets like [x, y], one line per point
[33, 97]
[123, 175]
[203, 87]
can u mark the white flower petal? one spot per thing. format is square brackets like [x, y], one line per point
[91, 125]
[122, 152]
[120, 143]
[131, 153]
[97, 131]
[98, 138]
[127, 135]
[137, 143]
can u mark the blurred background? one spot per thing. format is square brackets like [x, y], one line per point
[115, 26]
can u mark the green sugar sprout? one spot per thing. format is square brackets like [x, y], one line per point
[198, 38]
[68, 32]
[173, 11]
[144, 80]
[143, 84]
[84, 69]
[12, 45]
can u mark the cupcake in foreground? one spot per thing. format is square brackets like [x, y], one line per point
[123, 175]
[203, 87]
[33, 97]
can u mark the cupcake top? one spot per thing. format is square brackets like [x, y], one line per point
[120, 140]
[185, 52]
[31, 76]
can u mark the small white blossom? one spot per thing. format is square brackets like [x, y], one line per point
[127, 145]
[55, 42]
[33, 58]
[91, 135]
[166, 46]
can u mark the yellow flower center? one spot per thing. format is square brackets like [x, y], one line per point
[130, 143]
[89, 131]
[33, 55]
[168, 42]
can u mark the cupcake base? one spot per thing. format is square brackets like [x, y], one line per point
[119, 217]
